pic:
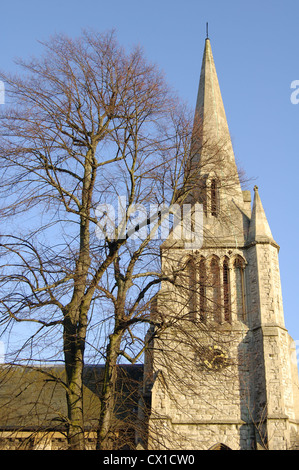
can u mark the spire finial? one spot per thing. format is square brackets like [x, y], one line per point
[207, 30]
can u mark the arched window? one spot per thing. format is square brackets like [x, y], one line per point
[215, 280]
[220, 446]
[196, 289]
[214, 198]
[226, 291]
[240, 291]
[202, 196]
[191, 288]
[202, 290]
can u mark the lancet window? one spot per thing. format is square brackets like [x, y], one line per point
[214, 198]
[216, 290]
[240, 289]
[202, 290]
[196, 289]
[212, 292]
[226, 291]
[192, 288]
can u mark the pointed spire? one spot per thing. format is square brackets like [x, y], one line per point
[259, 230]
[209, 107]
[212, 146]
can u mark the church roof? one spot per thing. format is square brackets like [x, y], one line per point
[35, 398]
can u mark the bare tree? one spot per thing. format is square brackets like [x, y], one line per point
[87, 123]
[93, 136]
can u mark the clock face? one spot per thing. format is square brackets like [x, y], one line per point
[215, 359]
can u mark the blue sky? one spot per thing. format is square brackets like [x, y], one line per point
[255, 47]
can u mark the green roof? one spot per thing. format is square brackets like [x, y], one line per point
[35, 398]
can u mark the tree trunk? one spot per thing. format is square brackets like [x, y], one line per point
[105, 436]
[74, 336]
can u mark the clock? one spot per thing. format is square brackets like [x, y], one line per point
[216, 358]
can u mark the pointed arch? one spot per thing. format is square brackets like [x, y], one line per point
[202, 188]
[239, 267]
[216, 290]
[226, 289]
[195, 285]
[214, 197]
[192, 287]
[202, 289]
[220, 446]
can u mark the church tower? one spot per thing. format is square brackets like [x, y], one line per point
[220, 369]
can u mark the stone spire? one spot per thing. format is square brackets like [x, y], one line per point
[209, 106]
[212, 146]
[259, 229]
